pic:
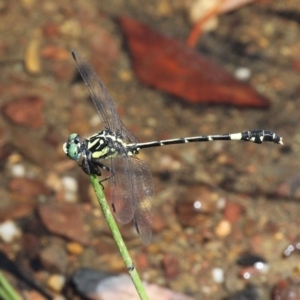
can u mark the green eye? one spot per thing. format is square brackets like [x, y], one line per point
[73, 151]
[73, 137]
[71, 147]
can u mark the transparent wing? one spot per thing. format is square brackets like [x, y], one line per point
[132, 187]
[132, 194]
[122, 182]
[104, 104]
[144, 207]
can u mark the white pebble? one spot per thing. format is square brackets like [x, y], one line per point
[261, 266]
[242, 73]
[18, 170]
[9, 231]
[218, 275]
[69, 183]
[56, 282]
[70, 187]
[95, 121]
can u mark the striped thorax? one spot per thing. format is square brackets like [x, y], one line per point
[102, 145]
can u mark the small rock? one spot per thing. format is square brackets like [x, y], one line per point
[27, 4]
[70, 187]
[51, 30]
[171, 266]
[223, 229]
[71, 28]
[242, 74]
[101, 285]
[17, 170]
[74, 248]
[286, 290]
[248, 273]
[218, 275]
[33, 295]
[291, 248]
[53, 181]
[56, 282]
[32, 58]
[28, 187]
[86, 280]
[196, 206]
[55, 53]
[26, 111]
[54, 258]
[9, 231]
[142, 261]
[103, 44]
[158, 222]
[248, 260]
[232, 211]
[42, 153]
[64, 219]
[62, 70]
[6, 151]
[16, 209]
[30, 245]
[248, 293]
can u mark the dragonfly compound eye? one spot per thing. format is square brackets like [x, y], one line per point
[73, 152]
[71, 147]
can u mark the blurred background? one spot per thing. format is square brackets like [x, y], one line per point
[226, 214]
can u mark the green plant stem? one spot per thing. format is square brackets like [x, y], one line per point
[6, 290]
[118, 238]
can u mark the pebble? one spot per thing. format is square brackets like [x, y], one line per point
[232, 211]
[25, 111]
[55, 53]
[70, 187]
[71, 28]
[218, 275]
[286, 290]
[291, 248]
[248, 293]
[56, 282]
[195, 207]
[100, 285]
[242, 74]
[51, 30]
[249, 259]
[142, 261]
[17, 170]
[32, 58]
[54, 257]
[171, 266]
[223, 229]
[28, 4]
[158, 222]
[64, 219]
[53, 182]
[28, 187]
[248, 273]
[33, 295]
[9, 231]
[74, 248]
[199, 9]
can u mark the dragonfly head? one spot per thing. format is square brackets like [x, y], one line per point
[72, 147]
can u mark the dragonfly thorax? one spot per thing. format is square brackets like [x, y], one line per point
[102, 145]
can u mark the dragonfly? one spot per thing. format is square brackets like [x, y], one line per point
[132, 187]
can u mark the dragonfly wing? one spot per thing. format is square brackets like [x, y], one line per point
[103, 102]
[144, 189]
[132, 192]
[122, 189]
